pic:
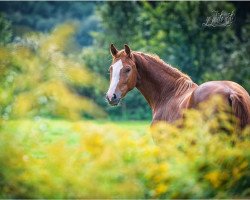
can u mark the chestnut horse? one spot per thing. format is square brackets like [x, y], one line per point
[167, 90]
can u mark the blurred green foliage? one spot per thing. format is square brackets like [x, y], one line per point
[5, 30]
[46, 15]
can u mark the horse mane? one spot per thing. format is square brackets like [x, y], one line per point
[182, 81]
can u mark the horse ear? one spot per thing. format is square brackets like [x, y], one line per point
[127, 50]
[113, 50]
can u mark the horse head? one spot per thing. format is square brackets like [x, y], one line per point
[123, 74]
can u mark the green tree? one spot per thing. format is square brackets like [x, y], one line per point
[5, 30]
[176, 32]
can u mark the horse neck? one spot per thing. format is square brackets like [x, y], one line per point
[158, 81]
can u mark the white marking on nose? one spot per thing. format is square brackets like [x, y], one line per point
[117, 66]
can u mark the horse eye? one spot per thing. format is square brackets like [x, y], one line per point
[127, 70]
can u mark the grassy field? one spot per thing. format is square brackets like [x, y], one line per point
[63, 128]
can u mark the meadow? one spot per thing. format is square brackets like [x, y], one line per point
[46, 158]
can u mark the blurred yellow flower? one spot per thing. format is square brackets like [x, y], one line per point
[88, 159]
[216, 177]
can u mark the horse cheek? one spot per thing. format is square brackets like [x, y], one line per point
[130, 84]
[134, 80]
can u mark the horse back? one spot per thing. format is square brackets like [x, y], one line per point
[232, 93]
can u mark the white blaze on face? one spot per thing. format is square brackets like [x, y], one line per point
[115, 78]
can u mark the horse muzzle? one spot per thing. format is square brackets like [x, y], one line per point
[114, 99]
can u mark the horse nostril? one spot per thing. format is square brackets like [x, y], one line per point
[114, 96]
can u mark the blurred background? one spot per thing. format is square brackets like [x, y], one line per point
[54, 56]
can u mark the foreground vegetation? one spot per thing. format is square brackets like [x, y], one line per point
[43, 158]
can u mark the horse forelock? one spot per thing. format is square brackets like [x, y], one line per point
[120, 54]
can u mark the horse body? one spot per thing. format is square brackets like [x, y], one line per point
[168, 91]
[232, 93]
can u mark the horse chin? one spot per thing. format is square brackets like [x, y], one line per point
[114, 103]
